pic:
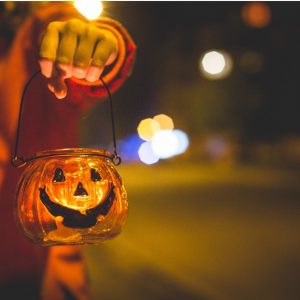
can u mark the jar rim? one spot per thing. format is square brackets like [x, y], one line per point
[73, 151]
[67, 152]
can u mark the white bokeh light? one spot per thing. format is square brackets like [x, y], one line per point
[146, 154]
[215, 64]
[183, 141]
[91, 9]
[165, 144]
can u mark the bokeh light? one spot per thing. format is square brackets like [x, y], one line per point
[147, 128]
[91, 9]
[160, 136]
[147, 155]
[129, 147]
[216, 147]
[215, 64]
[165, 122]
[165, 144]
[183, 141]
[256, 14]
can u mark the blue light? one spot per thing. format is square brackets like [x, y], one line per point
[129, 147]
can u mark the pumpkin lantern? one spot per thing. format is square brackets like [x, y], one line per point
[70, 196]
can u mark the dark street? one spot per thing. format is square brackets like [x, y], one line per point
[203, 232]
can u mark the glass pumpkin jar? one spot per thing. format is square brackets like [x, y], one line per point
[71, 196]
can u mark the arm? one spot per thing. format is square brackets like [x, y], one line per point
[46, 122]
[22, 61]
[82, 52]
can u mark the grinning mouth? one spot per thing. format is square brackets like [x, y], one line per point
[73, 218]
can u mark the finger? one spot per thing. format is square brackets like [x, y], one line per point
[46, 67]
[66, 48]
[67, 70]
[112, 58]
[57, 84]
[79, 73]
[104, 49]
[84, 51]
[50, 41]
[58, 88]
[93, 73]
[59, 91]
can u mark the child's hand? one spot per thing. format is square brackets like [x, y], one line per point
[75, 49]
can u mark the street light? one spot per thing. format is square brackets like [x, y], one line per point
[215, 64]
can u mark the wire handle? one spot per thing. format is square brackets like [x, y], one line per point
[19, 161]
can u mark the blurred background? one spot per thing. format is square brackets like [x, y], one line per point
[209, 133]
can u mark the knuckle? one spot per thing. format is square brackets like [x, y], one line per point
[91, 32]
[53, 25]
[111, 41]
[108, 37]
[98, 61]
[74, 26]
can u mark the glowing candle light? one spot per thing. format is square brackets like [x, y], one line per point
[91, 9]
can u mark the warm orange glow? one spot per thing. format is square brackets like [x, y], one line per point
[165, 122]
[4, 154]
[256, 14]
[147, 128]
[71, 199]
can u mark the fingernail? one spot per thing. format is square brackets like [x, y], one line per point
[61, 90]
[51, 87]
[46, 67]
[60, 95]
[79, 73]
[93, 73]
[58, 87]
[111, 58]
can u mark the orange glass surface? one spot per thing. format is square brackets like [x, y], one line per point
[73, 197]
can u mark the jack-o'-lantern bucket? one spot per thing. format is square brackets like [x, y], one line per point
[70, 196]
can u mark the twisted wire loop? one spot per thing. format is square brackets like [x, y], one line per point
[20, 161]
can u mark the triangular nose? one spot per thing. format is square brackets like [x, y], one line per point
[80, 190]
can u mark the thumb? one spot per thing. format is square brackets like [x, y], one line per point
[57, 84]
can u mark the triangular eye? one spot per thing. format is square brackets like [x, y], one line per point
[59, 175]
[95, 176]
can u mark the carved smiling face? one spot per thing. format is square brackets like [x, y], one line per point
[83, 194]
[79, 184]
